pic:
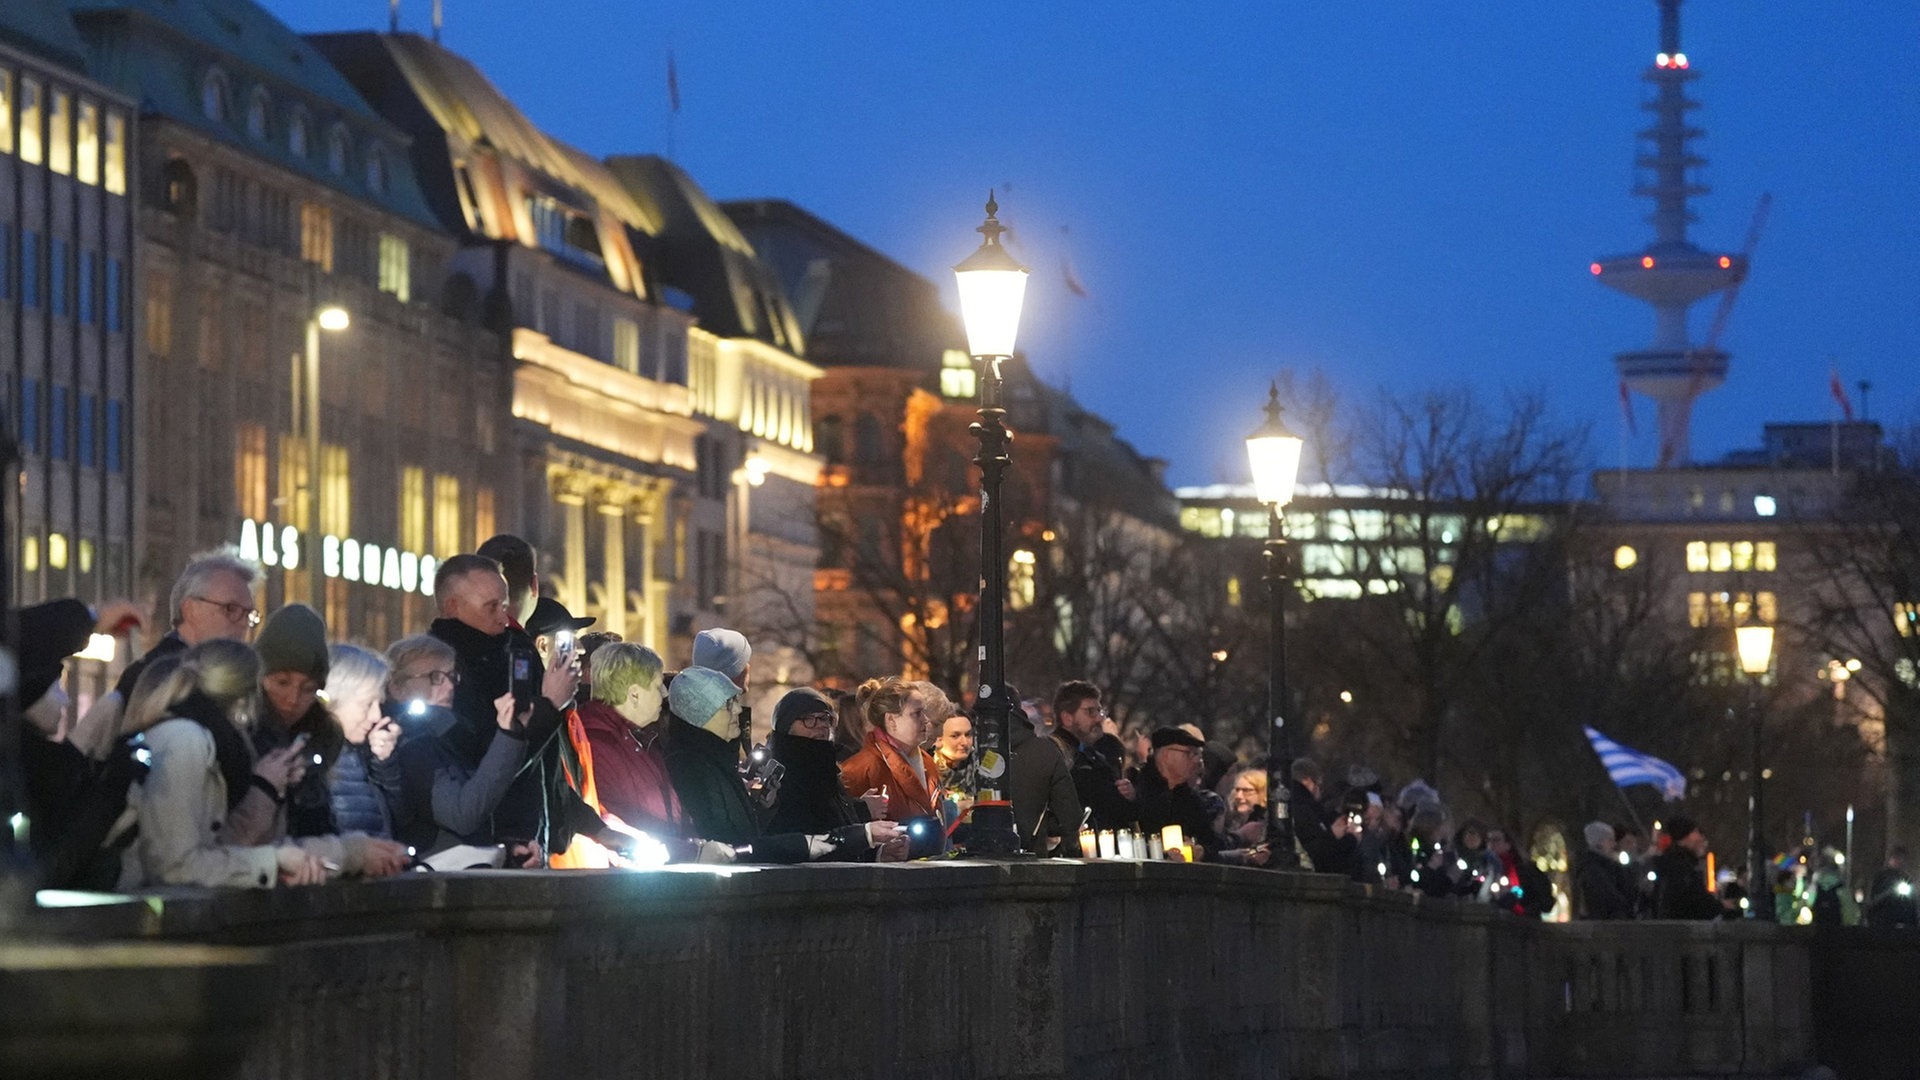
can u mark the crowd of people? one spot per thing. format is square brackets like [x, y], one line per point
[259, 753]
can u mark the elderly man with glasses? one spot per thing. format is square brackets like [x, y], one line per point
[212, 599]
[1167, 794]
[1093, 756]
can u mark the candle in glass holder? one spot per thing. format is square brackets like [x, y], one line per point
[1187, 850]
[1155, 849]
[1126, 843]
[1089, 844]
[1172, 839]
[1107, 849]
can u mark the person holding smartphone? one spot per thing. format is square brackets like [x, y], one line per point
[292, 644]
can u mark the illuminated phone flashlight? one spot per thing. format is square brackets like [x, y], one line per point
[316, 759]
[1905, 888]
[416, 707]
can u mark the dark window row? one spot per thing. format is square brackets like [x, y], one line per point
[89, 288]
[65, 426]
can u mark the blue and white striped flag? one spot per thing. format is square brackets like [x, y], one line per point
[1627, 767]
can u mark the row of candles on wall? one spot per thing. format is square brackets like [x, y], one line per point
[1130, 845]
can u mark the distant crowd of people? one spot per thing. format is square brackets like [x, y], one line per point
[255, 753]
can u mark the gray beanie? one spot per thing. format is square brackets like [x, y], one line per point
[725, 651]
[1597, 833]
[294, 639]
[697, 693]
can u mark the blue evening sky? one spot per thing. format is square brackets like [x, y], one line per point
[1399, 193]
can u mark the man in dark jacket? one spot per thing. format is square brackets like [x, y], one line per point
[810, 799]
[1890, 903]
[1167, 794]
[1602, 885]
[1680, 889]
[1046, 806]
[1324, 837]
[1078, 718]
[703, 761]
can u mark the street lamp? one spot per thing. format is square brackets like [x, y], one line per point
[992, 286]
[332, 318]
[1274, 453]
[1755, 646]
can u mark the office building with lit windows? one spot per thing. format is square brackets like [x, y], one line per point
[67, 239]
[267, 191]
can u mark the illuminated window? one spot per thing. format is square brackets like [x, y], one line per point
[31, 148]
[1766, 607]
[1742, 609]
[1697, 609]
[213, 95]
[1720, 555]
[1743, 555]
[60, 132]
[336, 492]
[1906, 619]
[30, 553]
[1765, 557]
[626, 345]
[86, 144]
[292, 497]
[250, 471]
[396, 275]
[57, 551]
[413, 508]
[1765, 505]
[257, 114]
[1020, 583]
[6, 112]
[316, 236]
[159, 314]
[1233, 592]
[957, 377]
[1624, 557]
[446, 516]
[483, 524]
[85, 547]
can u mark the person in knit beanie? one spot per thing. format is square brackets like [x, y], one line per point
[292, 644]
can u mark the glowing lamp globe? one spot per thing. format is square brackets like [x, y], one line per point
[1274, 453]
[993, 286]
[1755, 645]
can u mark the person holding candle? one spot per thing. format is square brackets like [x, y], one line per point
[1167, 794]
[892, 761]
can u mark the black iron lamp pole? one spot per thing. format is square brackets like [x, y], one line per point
[1274, 453]
[992, 287]
[1754, 645]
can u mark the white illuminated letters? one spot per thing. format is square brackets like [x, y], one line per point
[340, 557]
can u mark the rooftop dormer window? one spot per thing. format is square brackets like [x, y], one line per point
[376, 169]
[564, 231]
[213, 95]
[257, 114]
[337, 150]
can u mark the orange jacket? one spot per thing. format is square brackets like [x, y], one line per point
[880, 764]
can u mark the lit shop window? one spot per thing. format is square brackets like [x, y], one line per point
[60, 132]
[32, 151]
[86, 144]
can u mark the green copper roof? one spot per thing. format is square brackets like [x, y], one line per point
[43, 29]
[161, 51]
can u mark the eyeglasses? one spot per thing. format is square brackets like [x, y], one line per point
[1096, 709]
[814, 720]
[435, 678]
[235, 612]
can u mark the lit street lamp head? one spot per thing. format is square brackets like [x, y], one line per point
[1755, 645]
[332, 317]
[1274, 453]
[992, 286]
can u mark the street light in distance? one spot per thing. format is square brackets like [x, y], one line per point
[1755, 646]
[993, 287]
[1273, 451]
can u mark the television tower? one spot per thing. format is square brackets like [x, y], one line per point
[1671, 274]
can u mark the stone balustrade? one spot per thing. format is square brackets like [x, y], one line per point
[1039, 969]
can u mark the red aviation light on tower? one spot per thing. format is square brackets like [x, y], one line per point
[1680, 61]
[1594, 268]
[1726, 263]
[1646, 262]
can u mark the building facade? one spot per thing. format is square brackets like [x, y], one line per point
[267, 191]
[67, 257]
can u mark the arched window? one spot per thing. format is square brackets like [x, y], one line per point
[337, 151]
[827, 439]
[866, 440]
[257, 114]
[299, 133]
[213, 95]
[376, 169]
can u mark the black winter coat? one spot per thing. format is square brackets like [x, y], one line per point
[1096, 779]
[1313, 828]
[811, 799]
[705, 771]
[1161, 806]
[1681, 889]
[1603, 887]
[1046, 806]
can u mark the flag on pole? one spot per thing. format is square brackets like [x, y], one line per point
[673, 83]
[1626, 409]
[1839, 393]
[1627, 767]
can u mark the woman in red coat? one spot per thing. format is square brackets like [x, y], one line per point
[892, 760]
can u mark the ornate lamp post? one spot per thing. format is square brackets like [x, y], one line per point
[1755, 645]
[1274, 452]
[992, 286]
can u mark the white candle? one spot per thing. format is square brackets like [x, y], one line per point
[1107, 849]
[1126, 844]
[1089, 844]
[1172, 839]
[1155, 849]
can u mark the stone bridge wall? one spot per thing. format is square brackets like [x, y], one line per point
[1109, 970]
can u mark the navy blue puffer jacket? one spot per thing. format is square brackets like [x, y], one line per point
[363, 791]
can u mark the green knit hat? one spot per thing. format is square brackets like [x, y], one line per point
[294, 639]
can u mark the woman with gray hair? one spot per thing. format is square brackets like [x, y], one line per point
[364, 784]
